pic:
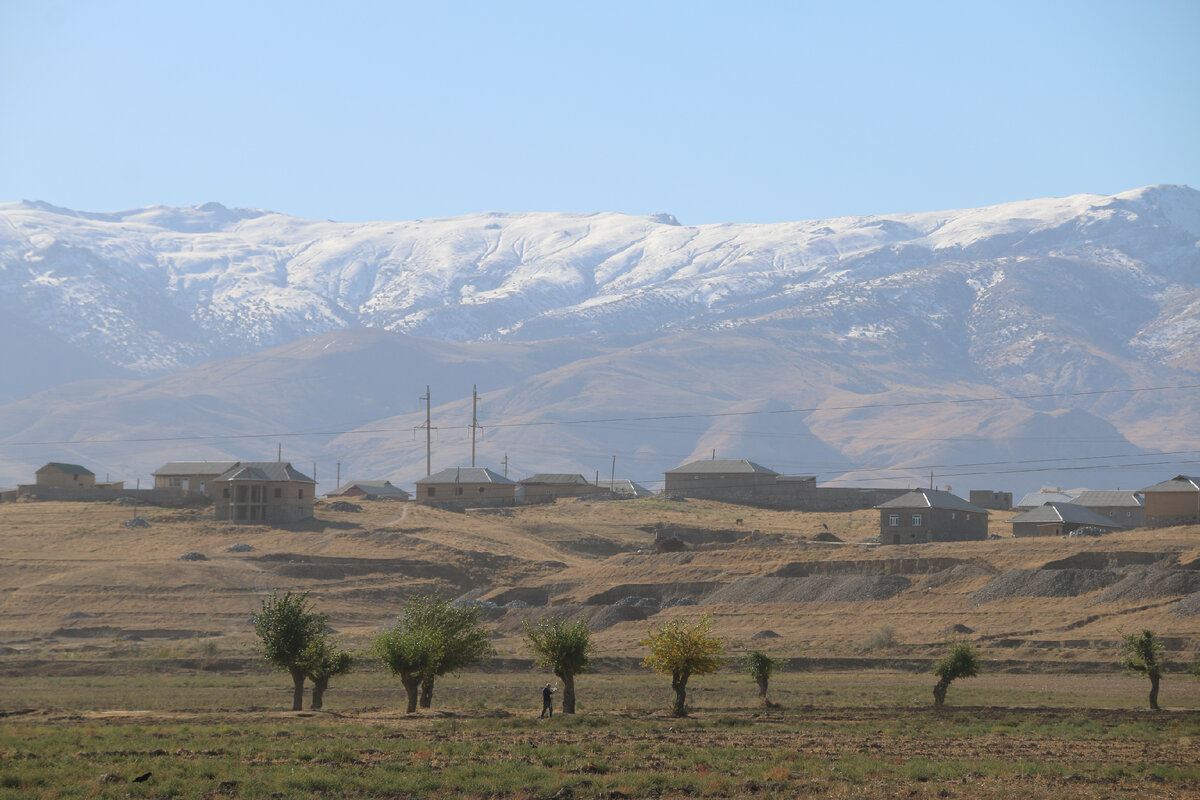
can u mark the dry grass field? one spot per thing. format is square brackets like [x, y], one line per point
[117, 658]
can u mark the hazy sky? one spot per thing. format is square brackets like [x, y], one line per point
[748, 112]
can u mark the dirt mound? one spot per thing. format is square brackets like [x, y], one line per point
[1093, 559]
[1045, 583]
[767, 634]
[1148, 583]
[613, 615]
[826, 536]
[960, 573]
[817, 589]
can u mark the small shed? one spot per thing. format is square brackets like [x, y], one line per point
[371, 490]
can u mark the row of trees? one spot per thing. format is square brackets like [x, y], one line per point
[434, 637]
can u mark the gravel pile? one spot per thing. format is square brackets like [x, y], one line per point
[961, 572]
[193, 556]
[136, 522]
[764, 634]
[814, 589]
[1188, 606]
[639, 602]
[1045, 583]
[342, 505]
[1150, 583]
[239, 548]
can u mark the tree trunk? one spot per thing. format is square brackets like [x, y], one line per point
[318, 693]
[411, 684]
[427, 692]
[297, 690]
[679, 684]
[568, 701]
[1154, 692]
[762, 690]
[939, 692]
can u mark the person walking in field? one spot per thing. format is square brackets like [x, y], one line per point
[548, 700]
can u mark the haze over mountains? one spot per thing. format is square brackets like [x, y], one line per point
[801, 345]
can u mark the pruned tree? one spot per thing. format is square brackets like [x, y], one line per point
[682, 648]
[286, 628]
[323, 660]
[1141, 654]
[409, 654]
[962, 661]
[563, 647]
[761, 667]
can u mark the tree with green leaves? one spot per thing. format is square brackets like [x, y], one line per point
[432, 638]
[409, 654]
[323, 660]
[962, 661]
[564, 647]
[287, 627]
[682, 648]
[1141, 654]
[761, 667]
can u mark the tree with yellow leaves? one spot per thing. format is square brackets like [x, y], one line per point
[682, 648]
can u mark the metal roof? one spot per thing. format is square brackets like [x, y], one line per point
[1036, 499]
[1109, 499]
[721, 466]
[274, 471]
[1180, 483]
[70, 469]
[195, 468]
[1072, 513]
[557, 479]
[465, 475]
[385, 488]
[932, 498]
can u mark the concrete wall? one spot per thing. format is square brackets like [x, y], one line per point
[986, 498]
[798, 496]
[1171, 508]
[159, 497]
[549, 492]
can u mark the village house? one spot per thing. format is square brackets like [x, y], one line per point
[623, 487]
[720, 479]
[464, 487]
[57, 475]
[930, 515]
[546, 487]
[267, 491]
[190, 477]
[1038, 499]
[1172, 502]
[1122, 507]
[1059, 519]
[370, 490]
[986, 498]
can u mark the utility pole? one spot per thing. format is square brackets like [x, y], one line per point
[339, 477]
[714, 456]
[428, 436]
[612, 478]
[505, 465]
[314, 475]
[931, 480]
[474, 417]
[279, 453]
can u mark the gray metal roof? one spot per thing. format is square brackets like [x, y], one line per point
[384, 488]
[274, 471]
[194, 468]
[1036, 499]
[932, 498]
[624, 486]
[1065, 512]
[1109, 499]
[1180, 483]
[721, 466]
[556, 479]
[465, 475]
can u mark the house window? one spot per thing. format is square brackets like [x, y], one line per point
[916, 520]
[893, 520]
[954, 515]
[299, 494]
[458, 490]
[430, 492]
[225, 492]
[278, 492]
[481, 490]
[968, 516]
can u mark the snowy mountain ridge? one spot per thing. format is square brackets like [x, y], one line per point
[158, 288]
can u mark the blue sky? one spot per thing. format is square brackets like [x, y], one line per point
[754, 112]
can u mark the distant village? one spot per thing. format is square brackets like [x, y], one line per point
[275, 492]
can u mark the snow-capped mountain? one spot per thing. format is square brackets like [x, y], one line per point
[1084, 293]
